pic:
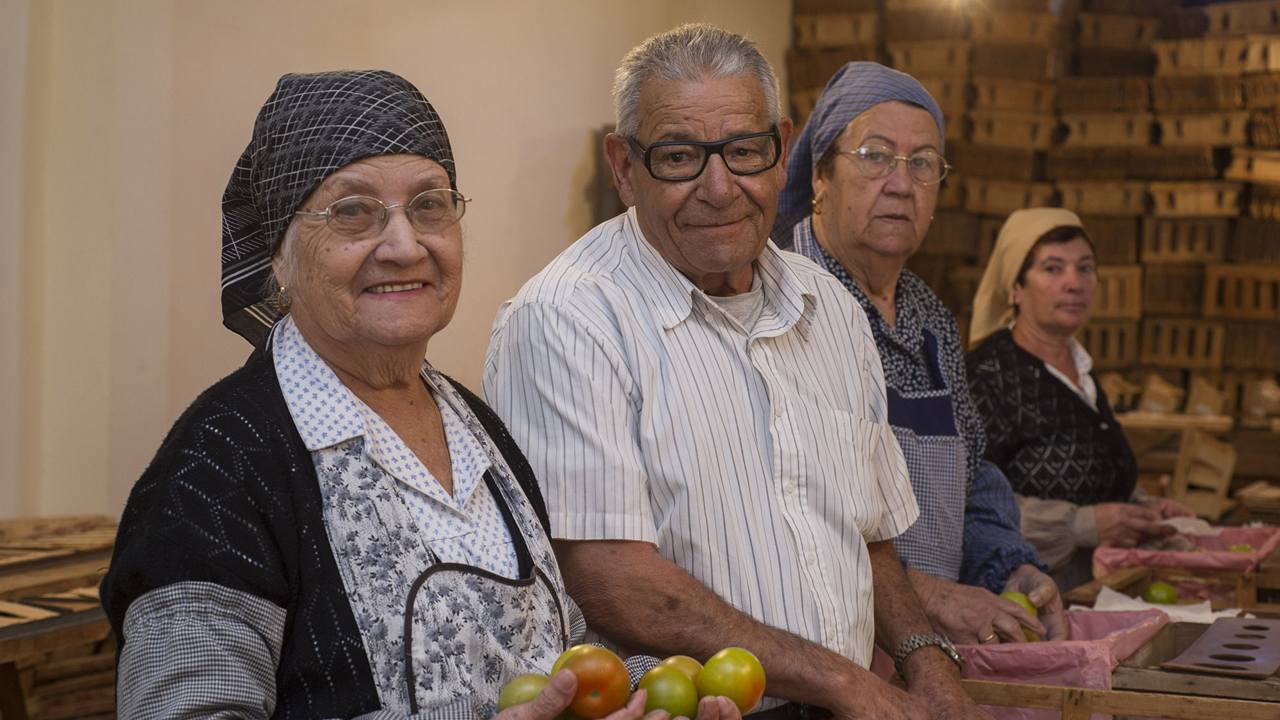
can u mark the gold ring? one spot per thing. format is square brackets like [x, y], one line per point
[988, 638]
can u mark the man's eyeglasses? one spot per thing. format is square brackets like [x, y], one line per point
[926, 167]
[431, 211]
[681, 160]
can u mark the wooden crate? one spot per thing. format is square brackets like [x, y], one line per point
[951, 194]
[828, 30]
[952, 233]
[1252, 346]
[1186, 344]
[1129, 7]
[1173, 199]
[1255, 241]
[1173, 289]
[802, 103]
[951, 93]
[1264, 202]
[1112, 343]
[1204, 397]
[996, 161]
[1255, 166]
[988, 230]
[1224, 55]
[946, 58]
[1203, 93]
[1240, 18]
[1104, 197]
[1200, 129]
[1024, 96]
[1109, 30]
[936, 23]
[1178, 163]
[1261, 90]
[1014, 130]
[1183, 23]
[962, 285]
[1119, 293]
[1264, 129]
[1039, 28]
[811, 69]
[1108, 129]
[1019, 61]
[1114, 62]
[1087, 163]
[1081, 95]
[802, 7]
[1115, 238]
[1242, 292]
[1184, 240]
[1001, 197]
[1073, 703]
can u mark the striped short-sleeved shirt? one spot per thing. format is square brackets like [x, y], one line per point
[759, 461]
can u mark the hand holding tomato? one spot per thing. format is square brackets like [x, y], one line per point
[556, 697]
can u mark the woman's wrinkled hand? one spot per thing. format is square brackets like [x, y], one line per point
[1042, 591]
[1165, 507]
[1127, 524]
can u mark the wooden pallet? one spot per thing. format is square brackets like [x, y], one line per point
[1200, 129]
[1195, 199]
[997, 161]
[1119, 293]
[1019, 61]
[1184, 240]
[1255, 166]
[1173, 289]
[1255, 241]
[1014, 130]
[1199, 93]
[1108, 129]
[1109, 30]
[1081, 95]
[1112, 343]
[937, 23]
[1001, 197]
[1242, 292]
[833, 30]
[1087, 163]
[945, 58]
[811, 69]
[1020, 96]
[1115, 238]
[1185, 344]
[1253, 346]
[1177, 163]
[1241, 18]
[1104, 197]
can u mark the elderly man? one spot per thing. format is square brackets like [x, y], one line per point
[707, 414]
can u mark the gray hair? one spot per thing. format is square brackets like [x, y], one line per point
[689, 52]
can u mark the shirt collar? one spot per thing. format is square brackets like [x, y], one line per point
[325, 412]
[673, 296]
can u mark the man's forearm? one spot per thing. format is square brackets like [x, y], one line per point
[899, 615]
[643, 601]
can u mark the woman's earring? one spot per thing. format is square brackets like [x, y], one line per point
[813, 205]
[281, 300]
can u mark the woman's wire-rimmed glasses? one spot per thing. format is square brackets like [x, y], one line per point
[430, 211]
[926, 167]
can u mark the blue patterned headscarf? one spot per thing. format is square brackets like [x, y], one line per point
[854, 89]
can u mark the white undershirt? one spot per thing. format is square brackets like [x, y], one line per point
[1086, 389]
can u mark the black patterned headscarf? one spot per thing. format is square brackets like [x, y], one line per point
[310, 127]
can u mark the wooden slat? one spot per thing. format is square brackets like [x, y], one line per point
[997, 161]
[1197, 199]
[829, 30]
[1200, 129]
[940, 22]
[1080, 95]
[1238, 18]
[1112, 343]
[1182, 343]
[1081, 703]
[1108, 129]
[1119, 293]
[1242, 292]
[1256, 166]
[1201, 93]
[1015, 130]
[1184, 240]
[935, 59]
[24, 611]
[1105, 197]
[1023, 96]
[1109, 30]
[1018, 61]
[997, 197]
[1039, 28]
[1173, 289]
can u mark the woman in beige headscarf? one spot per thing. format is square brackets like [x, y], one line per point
[1049, 425]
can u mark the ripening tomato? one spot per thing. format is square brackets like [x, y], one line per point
[736, 674]
[686, 664]
[668, 688]
[521, 689]
[1025, 603]
[603, 683]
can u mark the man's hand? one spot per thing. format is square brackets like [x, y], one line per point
[557, 695]
[1127, 524]
[1042, 591]
[968, 614]
[872, 698]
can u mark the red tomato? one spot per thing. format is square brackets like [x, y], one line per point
[667, 687]
[603, 683]
[736, 674]
[521, 689]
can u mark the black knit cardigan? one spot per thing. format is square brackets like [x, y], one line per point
[1046, 439]
[232, 498]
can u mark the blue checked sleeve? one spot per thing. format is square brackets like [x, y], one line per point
[993, 545]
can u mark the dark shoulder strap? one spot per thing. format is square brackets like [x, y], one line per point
[510, 451]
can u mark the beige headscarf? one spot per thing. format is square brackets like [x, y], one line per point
[992, 305]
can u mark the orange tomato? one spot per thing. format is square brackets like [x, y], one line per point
[667, 687]
[521, 689]
[603, 683]
[736, 674]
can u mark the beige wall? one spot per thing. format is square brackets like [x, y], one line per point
[130, 114]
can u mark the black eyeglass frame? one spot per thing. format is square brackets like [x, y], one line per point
[715, 147]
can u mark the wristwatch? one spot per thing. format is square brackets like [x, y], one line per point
[913, 643]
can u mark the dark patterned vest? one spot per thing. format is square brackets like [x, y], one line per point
[1045, 438]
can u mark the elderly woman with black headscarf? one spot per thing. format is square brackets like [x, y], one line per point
[862, 186]
[337, 529]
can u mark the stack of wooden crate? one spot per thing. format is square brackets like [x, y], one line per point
[828, 34]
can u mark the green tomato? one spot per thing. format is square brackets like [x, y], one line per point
[1026, 604]
[1241, 547]
[736, 674]
[521, 689]
[1161, 593]
[667, 687]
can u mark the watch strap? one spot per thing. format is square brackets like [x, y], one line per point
[914, 642]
